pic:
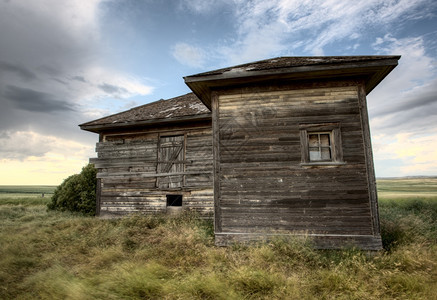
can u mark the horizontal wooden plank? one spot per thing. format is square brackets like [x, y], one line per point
[146, 175]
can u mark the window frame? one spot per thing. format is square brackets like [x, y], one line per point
[333, 129]
[320, 146]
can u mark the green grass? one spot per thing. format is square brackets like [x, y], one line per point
[26, 194]
[27, 189]
[54, 255]
[24, 201]
[402, 188]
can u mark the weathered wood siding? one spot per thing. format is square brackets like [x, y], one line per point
[262, 185]
[136, 171]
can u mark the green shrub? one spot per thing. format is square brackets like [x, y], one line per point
[77, 193]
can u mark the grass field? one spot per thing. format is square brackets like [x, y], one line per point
[53, 255]
[407, 188]
[26, 191]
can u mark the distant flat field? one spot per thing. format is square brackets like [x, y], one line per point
[387, 188]
[407, 187]
[20, 191]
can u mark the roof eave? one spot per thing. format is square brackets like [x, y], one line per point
[373, 72]
[114, 126]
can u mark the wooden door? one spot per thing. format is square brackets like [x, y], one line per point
[171, 157]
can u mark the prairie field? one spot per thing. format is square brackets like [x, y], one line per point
[25, 191]
[58, 255]
[407, 188]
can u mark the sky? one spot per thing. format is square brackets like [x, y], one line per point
[63, 63]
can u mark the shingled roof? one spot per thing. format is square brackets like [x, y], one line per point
[291, 61]
[174, 109]
[372, 69]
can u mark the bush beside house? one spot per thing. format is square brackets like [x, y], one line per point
[77, 193]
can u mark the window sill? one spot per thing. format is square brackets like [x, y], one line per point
[323, 164]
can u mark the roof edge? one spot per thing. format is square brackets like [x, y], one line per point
[104, 127]
[251, 65]
[122, 112]
[373, 68]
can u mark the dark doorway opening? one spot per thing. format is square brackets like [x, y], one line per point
[174, 200]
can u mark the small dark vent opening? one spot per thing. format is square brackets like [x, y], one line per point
[174, 200]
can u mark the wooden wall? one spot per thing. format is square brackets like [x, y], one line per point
[261, 184]
[131, 176]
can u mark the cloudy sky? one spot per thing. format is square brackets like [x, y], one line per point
[66, 62]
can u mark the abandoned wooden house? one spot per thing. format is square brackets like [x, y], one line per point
[278, 146]
[155, 158]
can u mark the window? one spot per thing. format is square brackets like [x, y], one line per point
[321, 143]
[319, 146]
[174, 200]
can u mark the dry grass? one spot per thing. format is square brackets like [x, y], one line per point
[53, 255]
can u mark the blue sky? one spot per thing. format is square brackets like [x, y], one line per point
[63, 63]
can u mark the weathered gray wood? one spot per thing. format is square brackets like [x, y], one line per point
[216, 160]
[373, 196]
[254, 164]
[132, 175]
[98, 196]
[128, 163]
[260, 142]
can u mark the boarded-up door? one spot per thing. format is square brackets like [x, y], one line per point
[171, 160]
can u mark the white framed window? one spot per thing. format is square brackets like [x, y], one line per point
[321, 143]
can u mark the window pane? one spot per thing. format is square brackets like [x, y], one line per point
[326, 154]
[313, 140]
[315, 154]
[319, 146]
[324, 140]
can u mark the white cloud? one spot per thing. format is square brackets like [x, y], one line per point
[189, 55]
[289, 27]
[408, 96]
[76, 15]
[268, 28]
[60, 43]
[28, 157]
[102, 82]
[22, 145]
[403, 110]
[416, 154]
[203, 6]
[54, 50]
[58, 29]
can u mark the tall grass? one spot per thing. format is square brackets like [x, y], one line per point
[55, 255]
[408, 211]
[405, 221]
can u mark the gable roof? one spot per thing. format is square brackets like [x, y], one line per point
[370, 68]
[194, 106]
[291, 61]
[185, 107]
